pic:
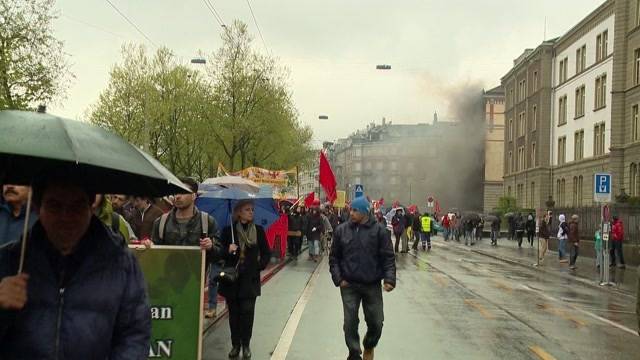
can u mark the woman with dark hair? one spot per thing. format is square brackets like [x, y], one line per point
[245, 248]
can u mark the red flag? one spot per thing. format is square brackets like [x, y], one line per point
[327, 179]
[308, 201]
[381, 201]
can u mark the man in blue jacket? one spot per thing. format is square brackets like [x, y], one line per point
[81, 295]
[361, 257]
[13, 210]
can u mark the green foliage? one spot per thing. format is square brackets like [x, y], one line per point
[33, 66]
[506, 204]
[236, 110]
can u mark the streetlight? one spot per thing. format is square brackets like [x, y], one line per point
[199, 61]
[323, 117]
[383, 67]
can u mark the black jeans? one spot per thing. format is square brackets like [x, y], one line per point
[371, 298]
[573, 254]
[295, 242]
[530, 236]
[616, 248]
[398, 239]
[241, 313]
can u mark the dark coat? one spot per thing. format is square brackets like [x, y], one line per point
[143, 225]
[362, 254]
[256, 259]
[173, 236]
[495, 224]
[105, 315]
[296, 222]
[398, 224]
[574, 234]
[531, 226]
[316, 222]
[545, 229]
[11, 227]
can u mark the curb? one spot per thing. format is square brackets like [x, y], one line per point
[263, 279]
[542, 269]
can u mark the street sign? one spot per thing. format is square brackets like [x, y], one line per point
[605, 236]
[602, 187]
[359, 190]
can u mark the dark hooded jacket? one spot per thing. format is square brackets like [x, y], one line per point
[362, 254]
[91, 304]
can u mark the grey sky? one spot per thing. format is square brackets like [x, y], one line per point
[331, 48]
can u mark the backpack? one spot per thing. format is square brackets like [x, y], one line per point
[204, 221]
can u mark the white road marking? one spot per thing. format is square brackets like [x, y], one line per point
[286, 338]
[590, 314]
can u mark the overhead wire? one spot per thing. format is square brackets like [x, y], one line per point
[255, 21]
[131, 23]
[214, 12]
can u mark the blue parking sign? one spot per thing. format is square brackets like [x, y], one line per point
[602, 187]
[359, 190]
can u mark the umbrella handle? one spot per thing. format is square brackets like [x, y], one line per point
[25, 228]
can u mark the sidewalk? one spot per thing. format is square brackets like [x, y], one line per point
[624, 280]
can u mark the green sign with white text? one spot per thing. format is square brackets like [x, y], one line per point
[174, 277]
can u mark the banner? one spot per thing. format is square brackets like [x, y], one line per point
[260, 175]
[175, 284]
[341, 199]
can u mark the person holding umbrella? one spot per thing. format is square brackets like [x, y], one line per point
[72, 259]
[245, 249]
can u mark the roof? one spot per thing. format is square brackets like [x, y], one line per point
[496, 91]
[532, 54]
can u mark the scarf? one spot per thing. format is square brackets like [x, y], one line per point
[246, 237]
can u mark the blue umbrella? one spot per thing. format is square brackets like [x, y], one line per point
[219, 203]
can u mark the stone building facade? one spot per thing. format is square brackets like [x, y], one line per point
[493, 148]
[528, 94]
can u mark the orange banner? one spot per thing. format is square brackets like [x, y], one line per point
[260, 175]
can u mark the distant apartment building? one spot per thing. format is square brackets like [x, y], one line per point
[528, 94]
[493, 148]
[409, 163]
[588, 109]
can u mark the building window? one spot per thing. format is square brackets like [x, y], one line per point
[578, 145]
[564, 65]
[520, 165]
[510, 129]
[532, 199]
[602, 41]
[558, 192]
[509, 191]
[510, 163]
[511, 99]
[580, 99]
[601, 92]
[577, 191]
[562, 110]
[633, 180]
[562, 148]
[535, 79]
[534, 120]
[598, 139]
[522, 90]
[522, 123]
[636, 67]
[563, 192]
[520, 194]
[581, 59]
[533, 155]
[634, 123]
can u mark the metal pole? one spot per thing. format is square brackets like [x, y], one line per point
[604, 234]
[538, 238]
[298, 181]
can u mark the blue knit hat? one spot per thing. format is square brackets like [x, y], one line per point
[361, 205]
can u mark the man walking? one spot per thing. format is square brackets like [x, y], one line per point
[563, 234]
[361, 257]
[185, 225]
[425, 231]
[617, 232]
[574, 241]
[13, 213]
[545, 234]
[495, 231]
[72, 259]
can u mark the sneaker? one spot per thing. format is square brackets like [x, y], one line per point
[564, 260]
[210, 314]
[572, 267]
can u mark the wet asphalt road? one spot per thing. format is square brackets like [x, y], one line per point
[450, 303]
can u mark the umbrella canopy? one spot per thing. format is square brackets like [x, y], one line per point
[220, 203]
[509, 215]
[234, 182]
[490, 218]
[34, 144]
[471, 216]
